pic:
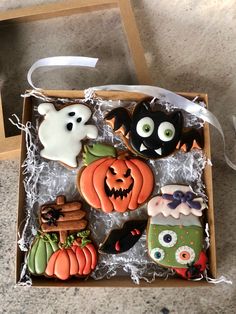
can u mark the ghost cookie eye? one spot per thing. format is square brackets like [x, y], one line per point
[71, 114]
[145, 127]
[79, 119]
[166, 131]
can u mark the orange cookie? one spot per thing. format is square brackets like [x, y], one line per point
[114, 183]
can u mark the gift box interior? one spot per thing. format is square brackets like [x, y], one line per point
[121, 279]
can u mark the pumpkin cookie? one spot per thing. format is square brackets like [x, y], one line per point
[60, 249]
[114, 183]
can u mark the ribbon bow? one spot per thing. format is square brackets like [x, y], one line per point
[179, 197]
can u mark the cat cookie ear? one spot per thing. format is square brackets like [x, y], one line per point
[142, 107]
[177, 118]
[45, 108]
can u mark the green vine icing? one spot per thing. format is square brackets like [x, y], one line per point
[97, 151]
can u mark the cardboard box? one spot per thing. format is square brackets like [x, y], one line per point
[123, 281]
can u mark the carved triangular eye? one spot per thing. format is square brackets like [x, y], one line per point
[127, 174]
[112, 170]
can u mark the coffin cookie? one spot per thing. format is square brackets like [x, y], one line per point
[62, 131]
[114, 183]
[121, 240]
[153, 134]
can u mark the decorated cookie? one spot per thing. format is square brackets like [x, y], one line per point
[77, 258]
[60, 249]
[177, 244]
[153, 134]
[121, 240]
[62, 131]
[114, 183]
[41, 250]
[176, 200]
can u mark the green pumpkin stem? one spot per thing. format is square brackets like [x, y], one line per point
[97, 151]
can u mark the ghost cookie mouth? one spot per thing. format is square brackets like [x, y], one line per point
[118, 193]
[143, 148]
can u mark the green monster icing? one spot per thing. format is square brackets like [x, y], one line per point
[41, 250]
[97, 151]
[175, 246]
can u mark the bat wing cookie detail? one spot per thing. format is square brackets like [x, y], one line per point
[62, 131]
[121, 240]
[153, 134]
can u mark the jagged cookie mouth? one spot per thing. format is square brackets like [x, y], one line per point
[118, 193]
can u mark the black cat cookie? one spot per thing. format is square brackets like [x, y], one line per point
[153, 134]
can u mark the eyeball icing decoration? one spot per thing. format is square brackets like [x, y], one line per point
[177, 244]
[153, 134]
[114, 183]
[157, 254]
[176, 200]
[167, 238]
[62, 131]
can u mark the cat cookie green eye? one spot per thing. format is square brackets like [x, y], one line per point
[145, 127]
[185, 255]
[157, 254]
[167, 238]
[166, 131]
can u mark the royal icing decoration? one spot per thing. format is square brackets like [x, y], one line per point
[62, 131]
[176, 200]
[114, 183]
[153, 134]
[60, 249]
[178, 246]
[121, 240]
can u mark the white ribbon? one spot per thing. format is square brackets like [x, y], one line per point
[153, 91]
[60, 61]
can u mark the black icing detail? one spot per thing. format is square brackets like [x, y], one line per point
[152, 147]
[69, 126]
[112, 170]
[189, 136]
[52, 215]
[121, 118]
[127, 174]
[117, 193]
[71, 114]
[125, 236]
[79, 120]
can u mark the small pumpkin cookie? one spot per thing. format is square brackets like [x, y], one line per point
[114, 183]
[60, 249]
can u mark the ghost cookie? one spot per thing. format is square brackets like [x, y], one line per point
[153, 134]
[62, 131]
[112, 182]
[176, 200]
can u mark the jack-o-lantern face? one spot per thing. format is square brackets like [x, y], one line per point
[118, 181]
[118, 184]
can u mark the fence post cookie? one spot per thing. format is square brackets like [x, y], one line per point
[153, 134]
[62, 131]
[175, 235]
[114, 183]
[121, 240]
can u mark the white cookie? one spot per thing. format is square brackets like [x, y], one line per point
[61, 132]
